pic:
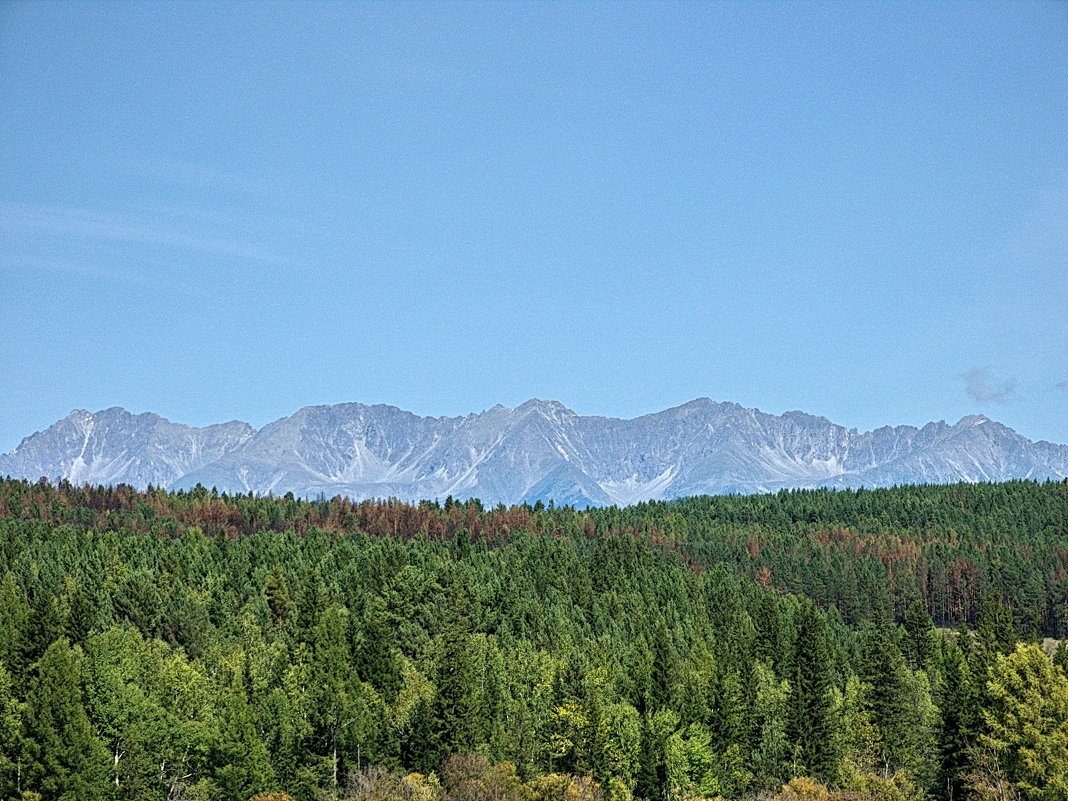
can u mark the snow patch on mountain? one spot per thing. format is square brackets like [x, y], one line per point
[540, 450]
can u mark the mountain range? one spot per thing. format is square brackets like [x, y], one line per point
[540, 450]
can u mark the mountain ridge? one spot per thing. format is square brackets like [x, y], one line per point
[539, 450]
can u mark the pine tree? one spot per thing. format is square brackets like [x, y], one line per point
[810, 708]
[67, 761]
[887, 694]
[919, 632]
[453, 723]
[958, 704]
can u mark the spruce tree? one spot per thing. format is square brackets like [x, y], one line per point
[66, 760]
[665, 669]
[14, 625]
[919, 631]
[887, 693]
[454, 723]
[377, 659]
[810, 708]
[957, 702]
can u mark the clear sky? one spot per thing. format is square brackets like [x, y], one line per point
[220, 211]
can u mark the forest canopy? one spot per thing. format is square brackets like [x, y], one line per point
[885, 644]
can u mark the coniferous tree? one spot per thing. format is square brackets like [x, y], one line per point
[665, 670]
[377, 658]
[653, 775]
[919, 635]
[767, 736]
[11, 745]
[44, 625]
[66, 760]
[995, 630]
[810, 708]
[1060, 656]
[13, 625]
[888, 696]
[958, 703]
[243, 765]
[279, 601]
[452, 723]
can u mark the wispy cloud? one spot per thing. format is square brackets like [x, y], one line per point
[84, 224]
[1061, 385]
[986, 386]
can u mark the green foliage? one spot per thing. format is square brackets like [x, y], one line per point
[1027, 723]
[767, 749]
[958, 699]
[811, 720]
[1060, 656]
[920, 638]
[889, 697]
[11, 744]
[158, 646]
[65, 758]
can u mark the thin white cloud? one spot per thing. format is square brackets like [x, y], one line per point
[986, 386]
[84, 224]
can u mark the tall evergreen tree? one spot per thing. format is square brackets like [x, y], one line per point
[767, 735]
[919, 635]
[887, 695]
[377, 658]
[66, 760]
[453, 721]
[11, 746]
[957, 702]
[14, 624]
[810, 708]
[665, 669]
[243, 766]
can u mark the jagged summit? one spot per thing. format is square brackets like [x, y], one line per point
[539, 450]
[114, 445]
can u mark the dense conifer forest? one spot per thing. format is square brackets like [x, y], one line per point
[825, 645]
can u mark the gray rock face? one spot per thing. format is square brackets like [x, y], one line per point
[114, 446]
[537, 451]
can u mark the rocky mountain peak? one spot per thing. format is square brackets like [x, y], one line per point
[540, 450]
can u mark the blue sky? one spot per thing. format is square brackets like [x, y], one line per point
[219, 211]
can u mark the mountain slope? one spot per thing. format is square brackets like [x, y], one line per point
[114, 446]
[538, 451]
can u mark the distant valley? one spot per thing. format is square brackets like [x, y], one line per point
[540, 450]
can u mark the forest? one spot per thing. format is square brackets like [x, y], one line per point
[894, 645]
